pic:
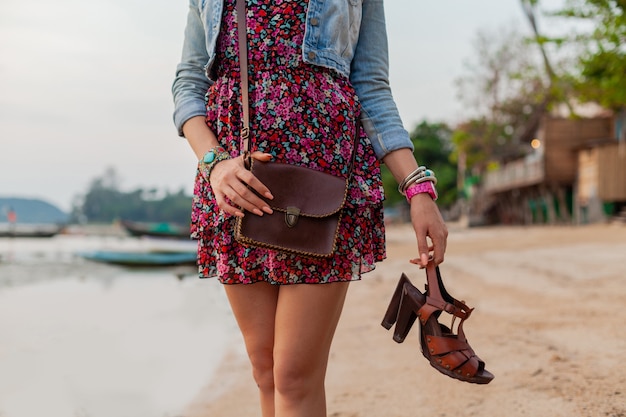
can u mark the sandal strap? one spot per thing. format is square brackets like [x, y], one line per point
[461, 332]
[454, 355]
[425, 311]
[433, 305]
[439, 345]
[435, 298]
[452, 361]
[472, 367]
[457, 308]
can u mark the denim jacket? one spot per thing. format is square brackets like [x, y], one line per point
[348, 36]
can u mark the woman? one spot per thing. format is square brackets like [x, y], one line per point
[315, 67]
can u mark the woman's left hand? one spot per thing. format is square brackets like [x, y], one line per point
[428, 224]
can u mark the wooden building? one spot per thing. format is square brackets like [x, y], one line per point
[575, 173]
[601, 183]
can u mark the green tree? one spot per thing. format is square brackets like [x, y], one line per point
[601, 64]
[104, 202]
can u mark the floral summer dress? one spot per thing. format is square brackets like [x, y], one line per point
[301, 114]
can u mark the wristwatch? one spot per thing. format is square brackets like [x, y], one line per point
[422, 187]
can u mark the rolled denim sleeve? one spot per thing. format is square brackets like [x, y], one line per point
[191, 83]
[369, 75]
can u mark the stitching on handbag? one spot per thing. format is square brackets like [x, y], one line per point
[246, 240]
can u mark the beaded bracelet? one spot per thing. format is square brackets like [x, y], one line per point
[423, 187]
[210, 159]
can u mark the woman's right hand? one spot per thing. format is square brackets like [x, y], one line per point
[230, 179]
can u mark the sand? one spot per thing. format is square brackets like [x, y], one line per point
[548, 323]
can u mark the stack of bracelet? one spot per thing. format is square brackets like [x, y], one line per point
[210, 159]
[422, 180]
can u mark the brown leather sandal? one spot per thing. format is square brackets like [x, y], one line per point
[450, 354]
[447, 352]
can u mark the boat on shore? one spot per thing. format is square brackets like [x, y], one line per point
[145, 252]
[26, 230]
[161, 230]
[140, 259]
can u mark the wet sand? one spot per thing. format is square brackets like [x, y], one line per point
[548, 323]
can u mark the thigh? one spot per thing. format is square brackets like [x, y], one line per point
[306, 319]
[254, 308]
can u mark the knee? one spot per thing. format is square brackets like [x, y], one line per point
[297, 380]
[263, 369]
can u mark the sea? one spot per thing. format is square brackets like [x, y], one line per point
[85, 339]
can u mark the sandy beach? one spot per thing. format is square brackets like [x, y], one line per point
[548, 323]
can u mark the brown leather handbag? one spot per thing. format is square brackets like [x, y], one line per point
[308, 204]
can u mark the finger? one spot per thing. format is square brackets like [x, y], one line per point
[422, 248]
[229, 181]
[224, 205]
[261, 156]
[253, 182]
[418, 261]
[219, 184]
[240, 194]
[439, 246]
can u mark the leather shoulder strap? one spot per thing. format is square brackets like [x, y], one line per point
[243, 71]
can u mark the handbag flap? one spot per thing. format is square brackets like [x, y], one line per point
[313, 193]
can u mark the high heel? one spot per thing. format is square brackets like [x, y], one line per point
[391, 314]
[405, 302]
[411, 302]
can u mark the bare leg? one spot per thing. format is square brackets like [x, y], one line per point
[288, 331]
[254, 307]
[306, 319]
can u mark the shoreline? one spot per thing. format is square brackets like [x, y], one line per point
[545, 299]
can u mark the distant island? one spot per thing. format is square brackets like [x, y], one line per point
[30, 211]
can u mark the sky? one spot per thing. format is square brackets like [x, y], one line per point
[85, 86]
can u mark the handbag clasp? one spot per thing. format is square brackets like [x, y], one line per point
[291, 216]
